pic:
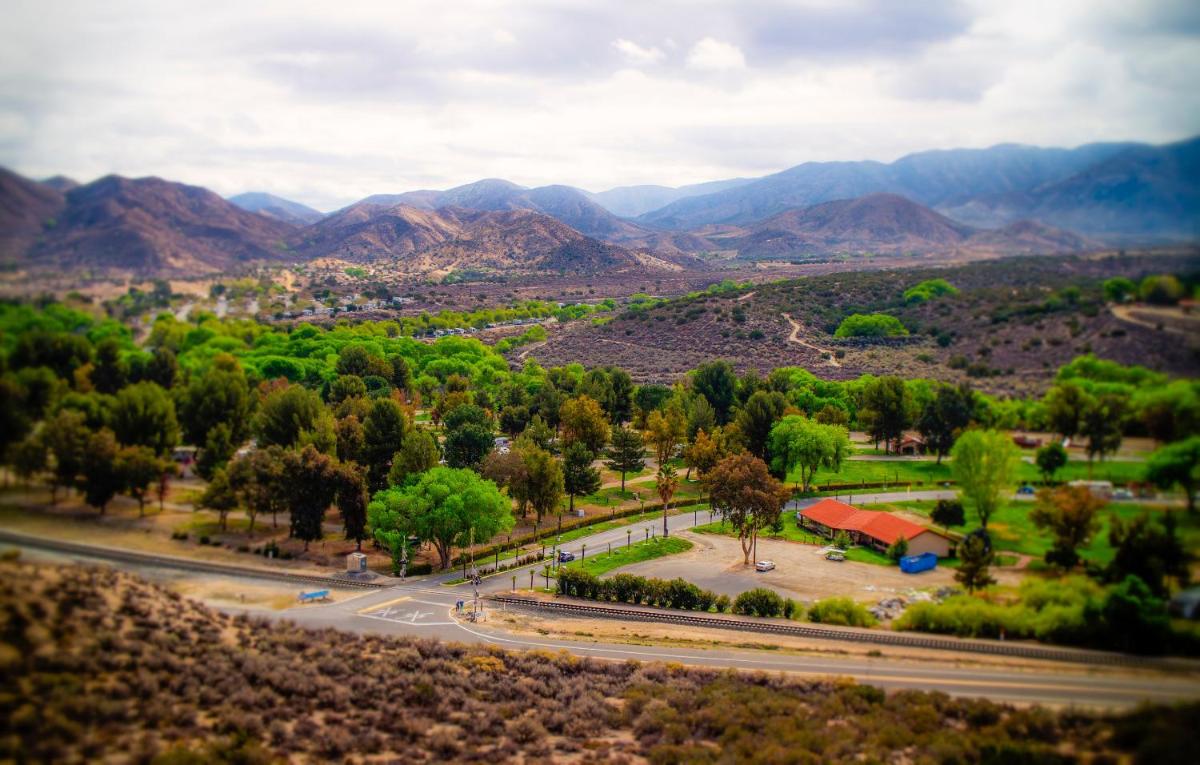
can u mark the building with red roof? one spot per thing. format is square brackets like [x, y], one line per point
[873, 528]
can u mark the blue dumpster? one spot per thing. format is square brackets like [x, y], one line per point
[915, 564]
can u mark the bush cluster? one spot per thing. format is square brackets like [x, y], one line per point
[628, 588]
[1071, 611]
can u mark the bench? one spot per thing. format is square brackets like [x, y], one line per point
[309, 597]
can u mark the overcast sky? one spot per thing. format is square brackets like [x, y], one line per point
[326, 102]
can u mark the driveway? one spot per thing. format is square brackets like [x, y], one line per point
[801, 571]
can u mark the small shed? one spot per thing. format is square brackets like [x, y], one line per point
[356, 563]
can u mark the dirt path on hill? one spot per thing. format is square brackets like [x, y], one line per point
[794, 337]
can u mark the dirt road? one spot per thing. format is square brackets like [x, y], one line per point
[794, 337]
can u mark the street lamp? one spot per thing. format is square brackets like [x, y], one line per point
[628, 537]
[583, 554]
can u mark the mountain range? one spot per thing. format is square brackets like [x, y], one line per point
[1003, 200]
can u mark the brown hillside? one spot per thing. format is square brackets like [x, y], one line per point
[27, 209]
[99, 666]
[455, 238]
[152, 226]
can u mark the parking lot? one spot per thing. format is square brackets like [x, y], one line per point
[801, 571]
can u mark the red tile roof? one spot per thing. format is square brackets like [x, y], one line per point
[885, 527]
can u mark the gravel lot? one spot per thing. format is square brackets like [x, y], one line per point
[801, 571]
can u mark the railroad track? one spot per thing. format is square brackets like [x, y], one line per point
[881, 637]
[182, 564]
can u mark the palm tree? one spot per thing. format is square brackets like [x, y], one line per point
[666, 482]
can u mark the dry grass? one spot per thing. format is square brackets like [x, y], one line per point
[100, 666]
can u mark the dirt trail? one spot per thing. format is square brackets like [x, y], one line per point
[794, 337]
[1125, 313]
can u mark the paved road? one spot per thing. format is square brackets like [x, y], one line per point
[425, 609]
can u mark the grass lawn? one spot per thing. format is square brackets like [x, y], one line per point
[929, 472]
[602, 562]
[1012, 531]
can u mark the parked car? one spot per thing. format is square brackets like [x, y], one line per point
[835, 555]
[764, 565]
[565, 557]
[1026, 490]
[1122, 494]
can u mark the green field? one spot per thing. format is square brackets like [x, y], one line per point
[602, 562]
[929, 472]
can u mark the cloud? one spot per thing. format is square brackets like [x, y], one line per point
[636, 54]
[384, 97]
[711, 55]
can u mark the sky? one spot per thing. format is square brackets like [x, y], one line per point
[325, 103]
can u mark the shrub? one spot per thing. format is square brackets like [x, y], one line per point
[758, 602]
[840, 611]
[721, 604]
[929, 289]
[898, 549]
[870, 325]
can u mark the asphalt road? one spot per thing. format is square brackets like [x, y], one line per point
[425, 609]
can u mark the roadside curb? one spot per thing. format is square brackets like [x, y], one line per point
[851, 634]
[167, 561]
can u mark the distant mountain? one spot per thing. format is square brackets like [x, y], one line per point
[1141, 193]
[27, 210]
[277, 207]
[632, 201]
[458, 238]
[885, 224]
[979, 186]
[564, 203]
[60, 183]
[152, 226]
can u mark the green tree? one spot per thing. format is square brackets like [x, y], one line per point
[162, 368]
[66, 437]
[1161, 290]
[384, 431]
[584, 422]
[219, 495]
[310, 481]
[1177, 464]
[538, 432]
[886, 403]
[447, 506]
[545, 484]
[870, 325]
[947, 513]
[217, 451]
[717, 383]
[627, 453]
[219, 396]
[258, 477]
[1149, 549]
[898, 549]
[15, 420]
[1119, 289]
[797, 441]
[746, 495]
[98, 468]
[110, 373]
[286, 414]
[1070, 515]
[351, 498]
[974, 560]
[1169, 412]
[1103, 424]
[28, 457]
[944, 417]
[703, 454]
[579, 477]
[139, 467]
[1050, 459]
[1066, 404]
[756, 418]
[351, 439]
[418, 453]
[467, 446]
[144, 415]
[665, 431]
[985, 464]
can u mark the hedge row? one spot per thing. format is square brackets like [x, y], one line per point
[627, 588]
